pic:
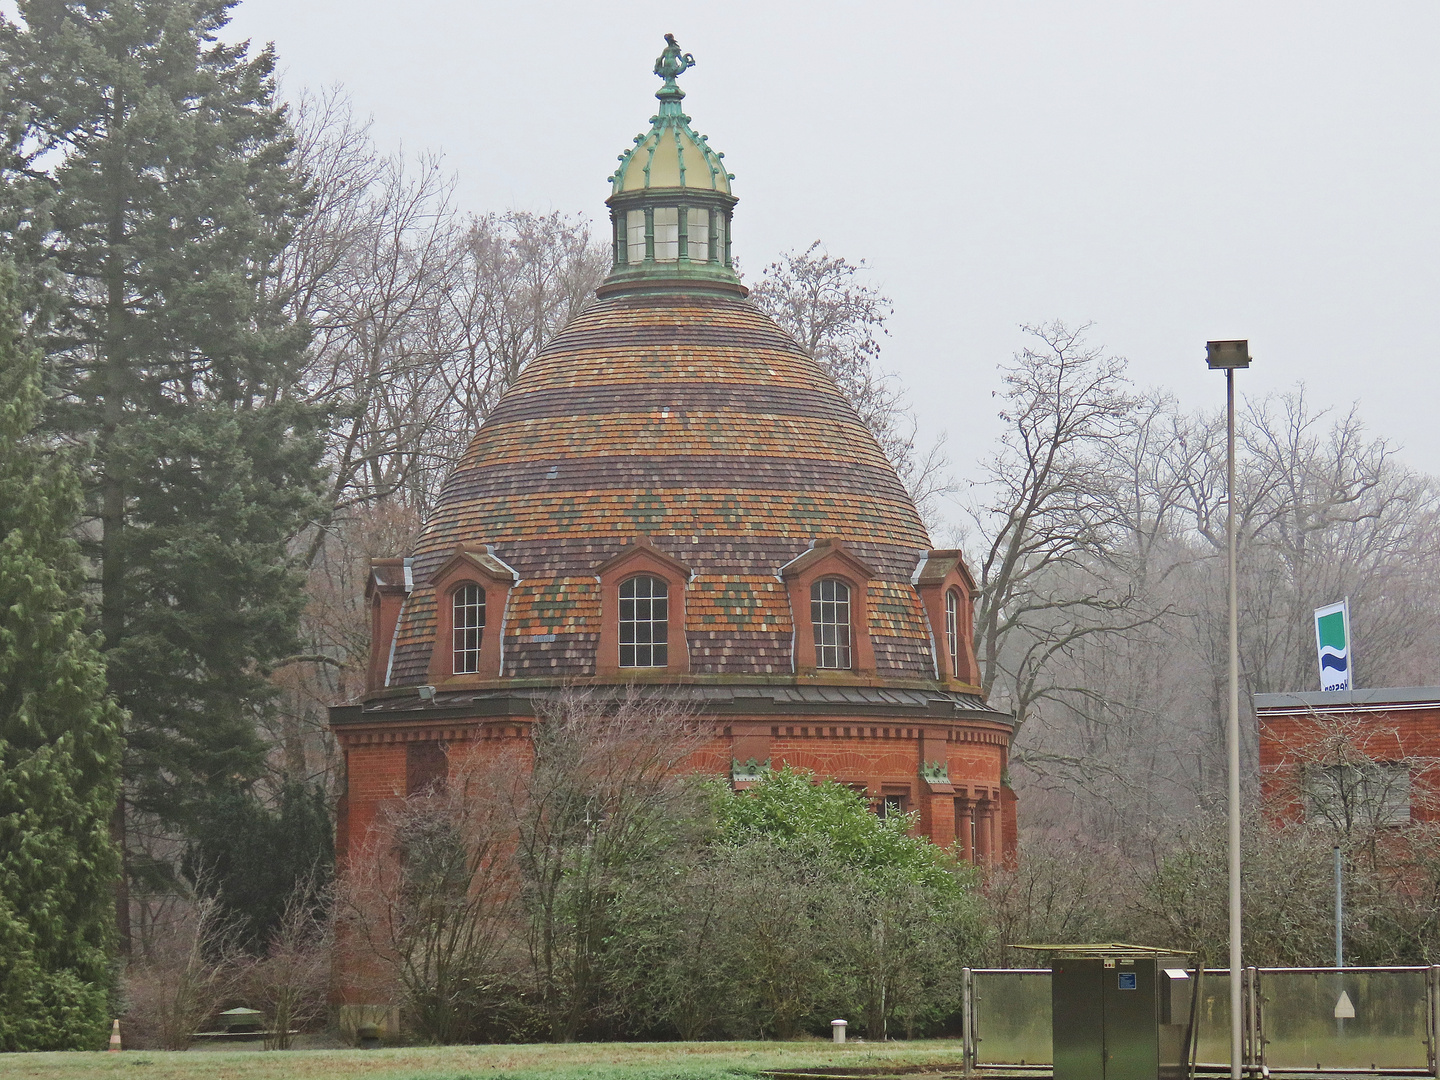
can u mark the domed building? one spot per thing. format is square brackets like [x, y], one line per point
[674, 495]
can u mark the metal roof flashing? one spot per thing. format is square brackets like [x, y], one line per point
[1106, 949]
[1413, 697]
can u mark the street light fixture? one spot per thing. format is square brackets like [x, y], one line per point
[1229, 356]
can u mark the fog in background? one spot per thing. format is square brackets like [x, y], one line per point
[1172, 172]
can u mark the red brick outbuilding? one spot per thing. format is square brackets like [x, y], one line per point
[1372, 756]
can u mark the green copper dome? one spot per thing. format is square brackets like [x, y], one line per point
[671, 154]
[670, 201]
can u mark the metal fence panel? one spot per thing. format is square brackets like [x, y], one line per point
[1304, 1024]
[1012, 1016]
[1009, 1019]
[1212, 1020]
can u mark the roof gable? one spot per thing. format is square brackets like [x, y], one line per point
[825, 549]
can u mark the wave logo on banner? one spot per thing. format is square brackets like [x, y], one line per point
[1332, 638]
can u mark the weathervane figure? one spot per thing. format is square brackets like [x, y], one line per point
[672, 62]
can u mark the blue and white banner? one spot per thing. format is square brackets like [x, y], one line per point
[1332, 638]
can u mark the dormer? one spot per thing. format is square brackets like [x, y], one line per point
[828, 589]
[386, 587]
[472, 589]
[948, 593]
[642, 612]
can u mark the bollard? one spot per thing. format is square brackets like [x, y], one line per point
[837, 1030]
[115, 1036]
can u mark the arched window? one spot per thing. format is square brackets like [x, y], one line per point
[830, 614]
[467, 624]
[644, 622]
[952, 631]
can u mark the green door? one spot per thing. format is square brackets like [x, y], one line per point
[1077, 1001]
[1131, 1050]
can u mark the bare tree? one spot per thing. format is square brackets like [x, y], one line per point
[1333, 513]
[522, 278]
[427, 905]
[1049, 515]
[291, 982]
[422, 318]
[1059, 890]
[1351, 774]
[1179, 895]
[1103, 612]
[608, 795]
[826, 304]
[335, 631]
[192, 966]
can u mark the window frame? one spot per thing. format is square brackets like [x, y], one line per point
[668, 245]
[688, 214]
[469, 650]
[940, 575]
[1366, 794]
[952, 630]
[660, 647]
[892, 804]
[494, 578]
[632, 241]
[842, 650]
[827, 558]
[640, 558]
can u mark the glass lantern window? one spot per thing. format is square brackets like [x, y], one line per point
[667, 233]
[635, 237]
[697, 231]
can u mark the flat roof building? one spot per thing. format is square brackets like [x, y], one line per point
[1356, 759]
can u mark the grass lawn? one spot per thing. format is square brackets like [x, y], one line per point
[582, 1061]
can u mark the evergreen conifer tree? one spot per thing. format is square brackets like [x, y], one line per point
[253, 860]
[163, 160]
[59, 739]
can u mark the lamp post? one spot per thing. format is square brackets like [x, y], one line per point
[1227, 356]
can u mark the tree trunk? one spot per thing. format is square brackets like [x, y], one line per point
[112, 491]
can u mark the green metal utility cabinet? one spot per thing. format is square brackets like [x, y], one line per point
[1120, 1012]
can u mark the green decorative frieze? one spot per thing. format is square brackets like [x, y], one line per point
[748, 771]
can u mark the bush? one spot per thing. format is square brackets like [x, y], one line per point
[805, 906]
[192, 970]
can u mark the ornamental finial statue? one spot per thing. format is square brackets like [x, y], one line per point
[670, 63]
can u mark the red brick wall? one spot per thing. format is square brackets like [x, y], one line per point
[1288, 741]
[373, 774]
[879, 758]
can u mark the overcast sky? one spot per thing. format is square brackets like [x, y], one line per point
[1172, 172]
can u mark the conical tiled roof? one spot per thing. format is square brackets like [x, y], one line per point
[694, 419]
[672, 415]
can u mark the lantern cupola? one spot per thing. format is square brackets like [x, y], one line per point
[670, 201]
